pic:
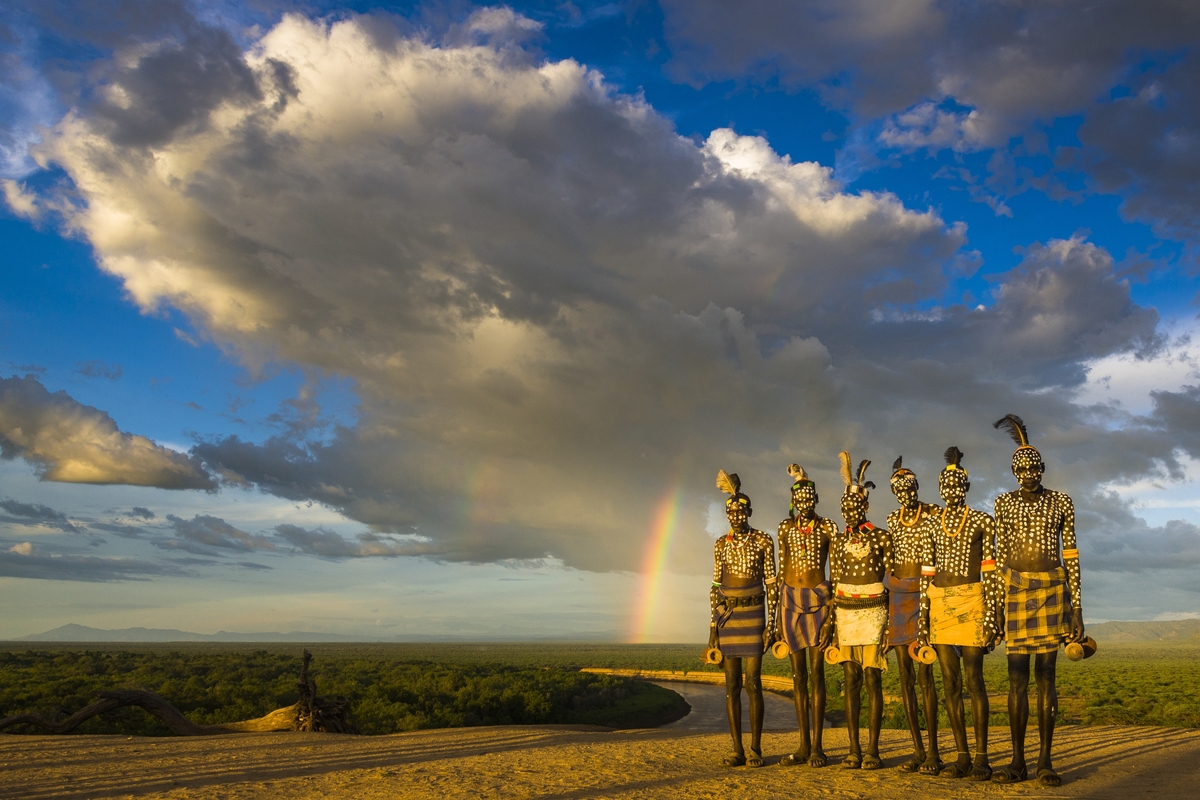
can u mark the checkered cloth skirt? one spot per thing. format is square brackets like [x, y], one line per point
[740, 631]
[904, 599]
[1038, 611]
[803, 612]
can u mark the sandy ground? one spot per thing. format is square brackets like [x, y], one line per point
[560, 762]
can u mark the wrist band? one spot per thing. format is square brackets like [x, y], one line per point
[1072, 554]
[987, 565]
[928, 572]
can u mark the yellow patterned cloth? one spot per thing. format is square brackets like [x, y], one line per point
[957, 614]
[869, 655]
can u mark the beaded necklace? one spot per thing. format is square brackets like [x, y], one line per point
[906, 523]
[962, 523]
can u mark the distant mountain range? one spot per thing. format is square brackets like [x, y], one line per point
[82, 633]
[1173, 631]
[1179, 631]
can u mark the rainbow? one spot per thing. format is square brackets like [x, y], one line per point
[662, 532]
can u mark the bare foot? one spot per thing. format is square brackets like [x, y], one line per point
[871, 761]
[852, 761]
[755, 759]
[932, 765]
[818, 758]
[735, 760]
[913, 764]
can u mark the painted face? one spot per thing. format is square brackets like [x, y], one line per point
[905, 490]
[804, 499]
[1028, 470]
[953, 485]
[738, 515]
[854, 508]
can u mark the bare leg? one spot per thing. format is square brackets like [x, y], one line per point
[754, 690]
[801, 699]
[908, 695]
[1018, 718]
[1044, 667]
[980, 710]
[854, 679]
[733, 708]
[816, 662]
[933, 762]
[874, 680]
[952, 686]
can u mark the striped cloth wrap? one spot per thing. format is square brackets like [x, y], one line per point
[803, 612]
[740, 630]
[904, 602]
[1037, 612]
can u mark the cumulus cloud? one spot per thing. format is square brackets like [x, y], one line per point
[208, 535]
[972, 76]
[69, 442]
[556, 310]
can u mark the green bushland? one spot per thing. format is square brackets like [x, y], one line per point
[385, 696]
[1128, 684]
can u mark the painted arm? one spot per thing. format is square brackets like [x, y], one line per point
[714, 591]
[771, 584]
[928, 570]
[1070, 552]
[992, 594]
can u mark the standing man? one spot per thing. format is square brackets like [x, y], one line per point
[744, 584]
[858, 560]
[1033, 524]
[804, 606]
[961, 603]
[911, 528]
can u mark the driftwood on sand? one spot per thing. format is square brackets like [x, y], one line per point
[309, 713]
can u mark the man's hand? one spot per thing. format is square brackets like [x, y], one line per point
[1076, 625]
[826, 634]
[768, 639]
[712, 637]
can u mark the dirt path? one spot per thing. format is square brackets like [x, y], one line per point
[551, 762]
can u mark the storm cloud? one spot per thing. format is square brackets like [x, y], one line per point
[555, 309]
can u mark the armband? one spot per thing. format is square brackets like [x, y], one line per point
[928, 572]
[1072, 554]
[770, 581]
[987, 565]
[716, 584]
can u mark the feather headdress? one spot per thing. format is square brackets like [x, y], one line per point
[900, 471]
[954, 458]
[854, 481]
[731, 484]
[1019, 433]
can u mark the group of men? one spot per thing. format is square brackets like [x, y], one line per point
[950, 577]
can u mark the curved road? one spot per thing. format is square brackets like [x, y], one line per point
[708, 709]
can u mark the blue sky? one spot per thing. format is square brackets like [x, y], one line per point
[363, 305]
